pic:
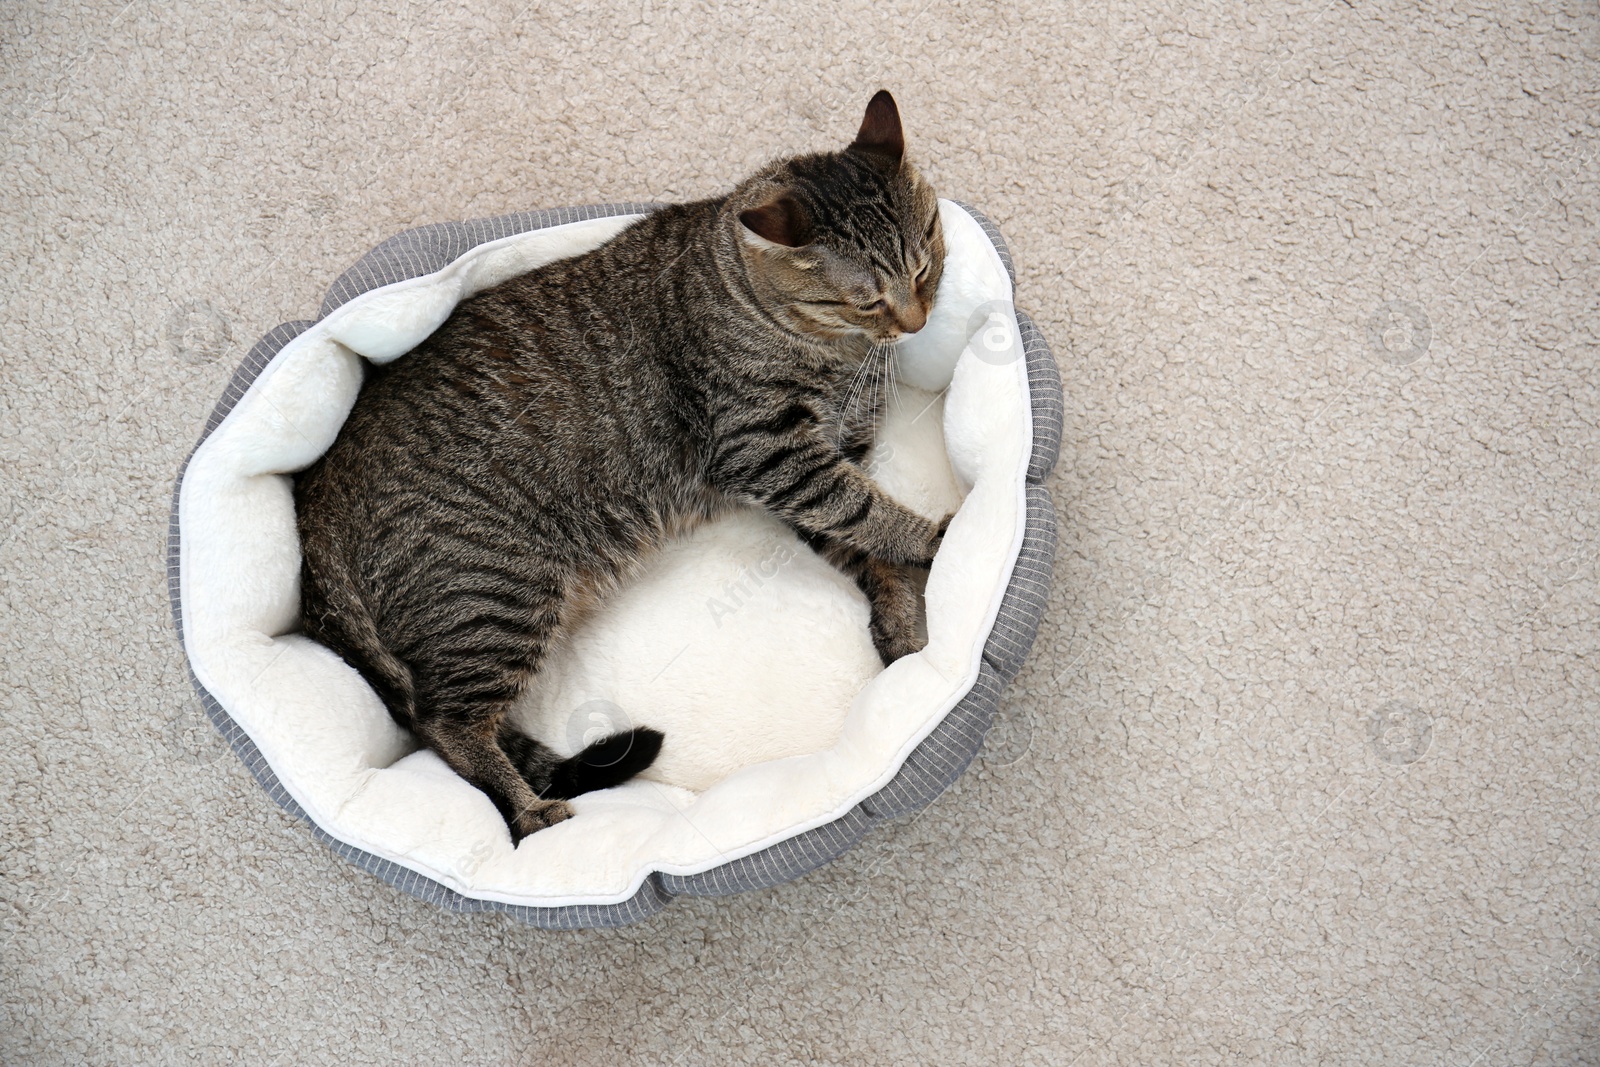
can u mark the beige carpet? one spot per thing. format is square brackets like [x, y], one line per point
[1305, 766]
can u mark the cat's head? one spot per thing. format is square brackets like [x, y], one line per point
[845, 243]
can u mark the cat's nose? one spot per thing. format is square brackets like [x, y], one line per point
[911, 318]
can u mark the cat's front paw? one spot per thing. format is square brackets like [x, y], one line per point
[896, 646]
[936, 539]
[545, 813]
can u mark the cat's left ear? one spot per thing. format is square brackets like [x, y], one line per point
[881, 137]
[782, 221]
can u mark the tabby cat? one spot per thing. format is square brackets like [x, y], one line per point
[492, 484]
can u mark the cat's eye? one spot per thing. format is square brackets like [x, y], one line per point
[876, 305]
[922, 275]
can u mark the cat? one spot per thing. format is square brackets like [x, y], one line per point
[490, 486]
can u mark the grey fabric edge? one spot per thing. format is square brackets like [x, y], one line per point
[1049, 403]
[1022, 608]
[425, 249]
[783, 862]
[933, 765]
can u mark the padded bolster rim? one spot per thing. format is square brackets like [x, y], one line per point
[1022, 609]
[943, 755]
[425, 249]
[1044, 390]
[255, 361]
[991, 231]
[783, 862]
[650, 898]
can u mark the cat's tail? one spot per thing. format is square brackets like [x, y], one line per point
[609, 761]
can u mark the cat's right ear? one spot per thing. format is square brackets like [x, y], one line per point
[782, 221]
[881, 137]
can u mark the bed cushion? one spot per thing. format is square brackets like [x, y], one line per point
[786, 740]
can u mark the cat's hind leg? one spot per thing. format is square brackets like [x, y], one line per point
[472, 649]
[474, 753]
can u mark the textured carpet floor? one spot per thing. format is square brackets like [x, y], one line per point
[1305, 766]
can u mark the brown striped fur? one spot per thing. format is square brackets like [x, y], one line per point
[499, 479]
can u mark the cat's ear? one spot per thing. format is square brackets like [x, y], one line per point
[782, 221]
[881, 137]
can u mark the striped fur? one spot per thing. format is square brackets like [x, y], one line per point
[502, 477]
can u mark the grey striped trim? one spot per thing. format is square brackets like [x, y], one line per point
[1017, 624]
[783, 862]
[943, 754]
[938, 761]
[1022, 609]
[434, 247]
[1044, 387]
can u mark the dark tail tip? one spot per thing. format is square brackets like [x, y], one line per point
[608, 762]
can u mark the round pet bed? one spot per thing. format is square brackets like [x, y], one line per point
[786, 741]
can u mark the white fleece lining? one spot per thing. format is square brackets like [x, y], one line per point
[828, 730]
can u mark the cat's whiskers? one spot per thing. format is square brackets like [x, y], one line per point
[857, 381]
[874, 364]
[884, 384]
[879, 392]
[894, 379]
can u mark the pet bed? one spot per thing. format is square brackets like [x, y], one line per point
[786, 741]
